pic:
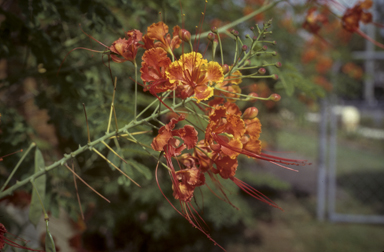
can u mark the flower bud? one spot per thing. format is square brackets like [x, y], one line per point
[275, 97]
[211, 36]
[247, 63]
[214, 29]
[252, 28]
[274, 53]
[250, 113]
[254, 38]
[247, 36]
[278, 64]
[215, 42]
[264, 48]
[253, 95]
[262, 71]
[235, 33]
[275, 77]
[185, 35]
[244, 48]
[225, 68]
[274, 42]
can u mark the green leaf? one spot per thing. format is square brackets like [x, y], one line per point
[115, 159]
[128, 170]
[35, 209]
[49, 243]
[141, 168]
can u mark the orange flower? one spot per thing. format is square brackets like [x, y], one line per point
[324, 63]
[155, 62]
[353, 70]
[159, 32]
[314, 20]
[166, 133]
[323, 82]
[354, 15]
[194, 75]
[127, 49]
[188, 180]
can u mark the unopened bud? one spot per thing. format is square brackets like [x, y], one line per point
[252, 28]
[235, 33]
[262, 71]
[214, 29]
[253, 95]
[274, 42]
[254, 38]
[274, 53]
[278, 64]
[250, 113]
[275, 97]
[185, 35]
[215, 42]
[225, 68]
[275, 77]
[247, 63]
[211, 36]
[247, 36]
[264, 47]
[244, 48]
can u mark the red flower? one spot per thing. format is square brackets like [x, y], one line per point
[126, 48]
[357, 13]
[155, 62]
[314, 20]
[159, 32]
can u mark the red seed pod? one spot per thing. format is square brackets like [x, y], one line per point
[262, 71]
[250, 113]
[278, 64]
[211, 36]
[244, 48]
[275, 97]
[225, 68]
[185, 35]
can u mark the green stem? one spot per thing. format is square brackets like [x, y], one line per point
[82, 149]
[17, 166]
[135, 112]
[240, 20]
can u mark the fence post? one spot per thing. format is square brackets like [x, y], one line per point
[321, 163]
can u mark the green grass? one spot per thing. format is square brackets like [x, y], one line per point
[297, 230]
[350, 158]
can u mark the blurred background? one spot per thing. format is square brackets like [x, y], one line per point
[331, 114]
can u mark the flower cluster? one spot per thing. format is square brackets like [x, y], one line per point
[212, 87]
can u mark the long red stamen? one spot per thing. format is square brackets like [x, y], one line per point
[254, 193]
[362, 34]
[261, 156]
[182, 214]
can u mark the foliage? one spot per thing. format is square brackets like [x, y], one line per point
[45, 106]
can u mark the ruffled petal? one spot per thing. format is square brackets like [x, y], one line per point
[157, 31]
[203, 93]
